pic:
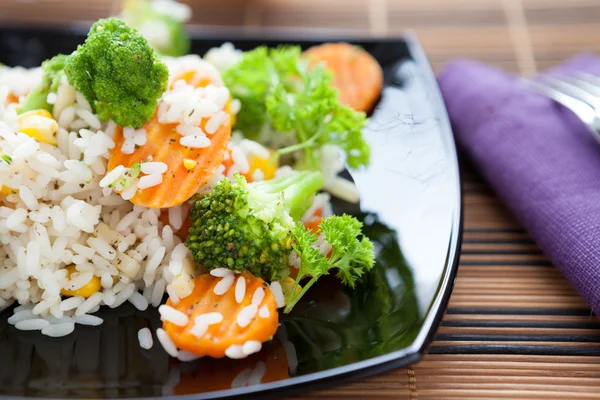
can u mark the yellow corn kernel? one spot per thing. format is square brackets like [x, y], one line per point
[39, 125]
[231, 114]
[5, 190]
[287, 284]
[256, 162]
[189, 164]
[86, 290]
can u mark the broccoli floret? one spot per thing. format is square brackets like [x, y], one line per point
[166, 34]
[53, 73]
[250, 226]
[118, 72]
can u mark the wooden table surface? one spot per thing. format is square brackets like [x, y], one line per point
[514, 328]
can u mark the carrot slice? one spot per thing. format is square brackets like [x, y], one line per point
[356, 74]
[162, 144]
[12, 98]
[314, 222]
[220, 336]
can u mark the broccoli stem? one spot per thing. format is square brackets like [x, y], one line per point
[36, 99]
[297, 189]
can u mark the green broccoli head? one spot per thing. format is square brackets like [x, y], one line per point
[118, 73]
[53, 73]
[166, 34]
[249, 226]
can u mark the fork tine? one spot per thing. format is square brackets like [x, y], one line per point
[591, 82]
[571, 89]
[583, 110]
[588, 77]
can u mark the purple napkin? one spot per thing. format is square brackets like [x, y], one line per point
[538, 157]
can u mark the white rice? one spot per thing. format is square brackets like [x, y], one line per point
[215, 121]
[138, 301]
[166, 342]
[240, 289]
[246, 315]
[199, 329]
[89, 304]
[264, 312]
[278, 294]
[32, 324]
[223, 57]
[224, 284]
[145, 338]
[210, 318]
[235, 352]
[186, 356]
[175, 218]
[172, 315]
[71, 303]
[59, 329]
[258, 296]
[173, 296]
[251, 347]
[90, 320]
[194, 141]
[221, 272]
[150, 168]
[235, 106]
[149, 181]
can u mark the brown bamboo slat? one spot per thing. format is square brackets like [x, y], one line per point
[515, 329]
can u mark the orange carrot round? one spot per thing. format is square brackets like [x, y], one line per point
[314, 222]
[356, 74]
[228, 332]
[162, 145]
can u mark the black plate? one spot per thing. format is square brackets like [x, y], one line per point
[411, 207]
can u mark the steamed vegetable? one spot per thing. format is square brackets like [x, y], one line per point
[116, 70]
[356, 74]
[223, 331]
[351, 254]
[249, 226]
[285, 101]
[180, 182]
[118, 73]
[165, 33]
[53, 73]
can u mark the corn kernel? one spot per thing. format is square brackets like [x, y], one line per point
[5, 190]
[256, 163]
[86, 290]
[232, 116]
[39, 125]
[189, 164]
[287, 284]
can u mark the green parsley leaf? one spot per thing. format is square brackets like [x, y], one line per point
[351, 254]
[280, 95]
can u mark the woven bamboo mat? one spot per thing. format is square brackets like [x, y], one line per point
[514, 328]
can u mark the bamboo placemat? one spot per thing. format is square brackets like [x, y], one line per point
[514, 328]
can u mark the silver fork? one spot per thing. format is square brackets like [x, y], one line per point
[579, 92]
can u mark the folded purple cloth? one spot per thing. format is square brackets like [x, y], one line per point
[538, 157]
